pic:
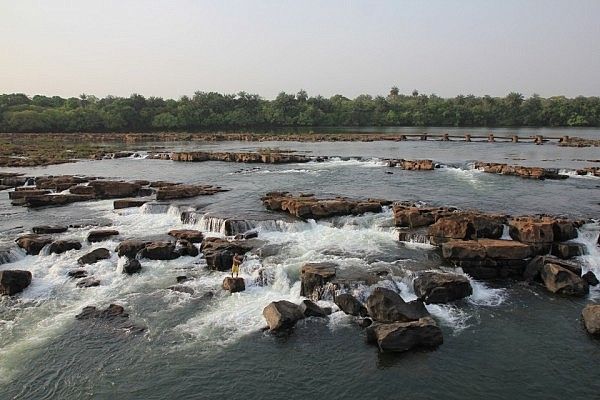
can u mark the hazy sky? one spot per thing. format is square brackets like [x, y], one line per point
[172, 48]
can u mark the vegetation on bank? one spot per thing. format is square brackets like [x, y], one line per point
[20, 113]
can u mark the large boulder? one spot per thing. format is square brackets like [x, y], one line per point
[14, 281]
[562, 281]
[310, 309]
[410, 216]
[219, 253]
[52, 200]
[111, 312]
[190, 235]
[385, 305]
[32, 243]
[131, 266]
[591, 319]
[49, 229]
[467, 226]
[130, 248]
[282, 315]
[438, 287]
[313, 278]
[88, 282]
[403, 336]
[101, 235]
[128, 203]
[531, 230]
[350, 305]
[94, 256]
[64, 245]
[114, 189]
[234, 285]
[159, 251]
[185, 248]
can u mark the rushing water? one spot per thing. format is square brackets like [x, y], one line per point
[506, 340]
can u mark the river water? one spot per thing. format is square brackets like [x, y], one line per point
[506, 340]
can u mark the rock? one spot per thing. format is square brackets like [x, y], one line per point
[562, 281]
[101, 235]
[251, 234]
[219, 252]
[590, 278]
[410, 216]
[131, 266]
[185, 191]
[159, 251]
[112, 312]
[53, 200]
[404, 336]
[534, 267]
[182, 278]
[32, 243]
[94, 256]
[567, 250]
[182, 289]
[234, 284]
[541, 230]
[313, 278]
[466, 226]
[61, 246]
[437, 287]
[77, 273]
[271, 157]
[385, 305]
[310, 309]
[185, 248]
[14, 281]
[83, 190]
[48, 229]
[309, 207]
[520, 171]
[282, 315]
[130, 248]
[365, 322]
[88, 282]
[128, 203]
[20, 194]
[190, 235]
[591, 319]
[350, 305]
[114, 189]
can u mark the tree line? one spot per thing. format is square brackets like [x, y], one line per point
[210, 110]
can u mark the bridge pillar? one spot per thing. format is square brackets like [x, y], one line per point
[491, 138]
[563, 139]
[539, 139]
[467, 138]
[515, 139]
[402, 137]
[445, 137]
[424, 137]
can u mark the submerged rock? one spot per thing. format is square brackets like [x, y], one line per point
[77, 273]
[385, 305]
[404, 336]
[591, 319]
[32, 243]
[94, 256]
[438, 287]
[113, 311]
[350, 305]
[101, 235]
[14, 281]
[131, 266]
[234, 285]
[88, 282]
[282, 315]
[62, 246]
[182, 289]
[562, 281]
[313, 278]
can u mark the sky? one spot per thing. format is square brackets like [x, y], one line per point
[176, 47]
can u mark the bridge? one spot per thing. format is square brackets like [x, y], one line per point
[491, 138]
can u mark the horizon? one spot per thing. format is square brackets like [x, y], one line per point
[447, 48]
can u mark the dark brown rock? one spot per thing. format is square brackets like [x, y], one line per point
[350, 305]
[131, 266]
[77, 273]
[88, 282]
[14, 281]
[113, 311]
[114, 189]
[219, 253]
[282, 315]
[32, 243]
[94, 256]
[313, 278]
[567, 250]
[310, 309]
[385, 305]
[48, 229]
[562, 281]
[590, 278]
[130, 248]
[101, 235]
[159, 251]
[190, 235]
[234, 285]
[128, 203]
[591, 319]
[61, 246]
[437, 287]
[404, 336]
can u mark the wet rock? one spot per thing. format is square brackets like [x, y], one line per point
[48, 229]
[185, 248]
[130, 248]
[131, 266]
[32, 243]
[534, 267]
[219, 252]
[94, 256]
[314, 277]
[531, 230]
[77, 273]
[466, 226]
[114, 311]
[412, 165]
[83, 190]
[404, 336]
[271, 157]
[101, 235]
[61, 246]
[437, 287]
[159, 251]
[14, 281]
[88, 282]
[53, 200]
[520, 171]
[408, 215]
[385, 305]
[234, 285]
[190, 235]
[310, 309]
[282, 315]
[590, 278]
[20, 194]
[562, 281]
[591, 319]
[309, 207]
[350, 305]
[567, 250]
[182, 289]
[186, 191]
[128, 203]
[114, 189]
[251, 234]
[60, 182]
[364, 322]
[182, 278]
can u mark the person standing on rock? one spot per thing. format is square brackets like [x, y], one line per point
[235, 267]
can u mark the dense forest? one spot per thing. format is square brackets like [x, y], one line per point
[203, 111]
